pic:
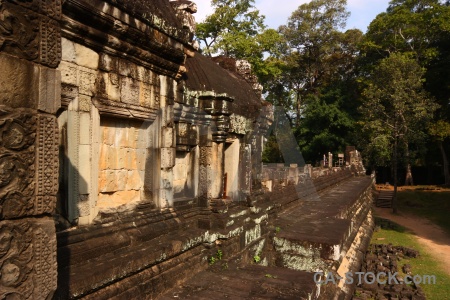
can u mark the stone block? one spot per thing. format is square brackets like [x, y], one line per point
[49, 90]
[102, 156]
[109, 134]
[132, 160]
[141, 155]
[129, 90]
[19, 82]
[107, 181]
[121, 140]
[28, 258]
[121, 179]
[85, 128]
[84, 169]
[127, 68]
[113, 87]
[124, 158]
[84, 103]
[111, 158]
[132, 136]
[117, 199]
[167, 115]
[108, 63]
[86, 81]
[68, 73]
[167, 137]
[134, 181]
[146, 95]
[167, 157]
[79, 54]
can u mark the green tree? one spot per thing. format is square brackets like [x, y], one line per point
[420, 29]
[315, 49]
[236, 29]
[395, 108]
[440, 131]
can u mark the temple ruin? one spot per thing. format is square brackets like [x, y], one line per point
[129, 161]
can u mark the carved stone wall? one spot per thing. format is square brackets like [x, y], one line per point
[30, 49]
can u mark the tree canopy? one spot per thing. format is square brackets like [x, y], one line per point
[388, 87]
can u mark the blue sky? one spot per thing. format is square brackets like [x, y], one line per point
[278, 11]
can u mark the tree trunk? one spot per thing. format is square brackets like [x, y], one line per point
[445, 163]
[394, 199]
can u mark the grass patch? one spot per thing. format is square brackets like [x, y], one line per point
[433, 205]
[425, 264]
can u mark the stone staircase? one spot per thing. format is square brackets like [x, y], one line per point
[384, 199]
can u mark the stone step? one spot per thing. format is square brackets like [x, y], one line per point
[249, 282]
[313, 235]
[384, 199]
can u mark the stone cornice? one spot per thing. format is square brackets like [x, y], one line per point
[107, 29]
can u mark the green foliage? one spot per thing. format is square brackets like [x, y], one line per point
[396, 107]
[236, 29]
[432, 205]
[257, 258]
[218, 256]
[440, 130]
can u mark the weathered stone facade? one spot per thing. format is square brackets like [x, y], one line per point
[30, 51]
[125, 155]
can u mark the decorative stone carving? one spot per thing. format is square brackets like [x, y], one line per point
[27, 259]
[22, 137]
[47, 162]
[185, 11]
[83, 78]
[238, 124]
[186, 136]
[29, 35]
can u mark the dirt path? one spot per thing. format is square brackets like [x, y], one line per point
[431, 236]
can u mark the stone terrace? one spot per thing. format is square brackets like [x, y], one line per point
[329, 234]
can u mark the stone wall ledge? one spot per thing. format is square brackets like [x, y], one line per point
[145, 46]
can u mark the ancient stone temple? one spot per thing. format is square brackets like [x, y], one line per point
[128, 160]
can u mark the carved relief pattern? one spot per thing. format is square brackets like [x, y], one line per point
[50, 46]
[238, 124]
[17, 139]
[51, 8]
[47, 158]
[84, 103]
[27, 260]
[86, 81]
[19, 193]
[19, 31]
[29, 35]
[45, 264]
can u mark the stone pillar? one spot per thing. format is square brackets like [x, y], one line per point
[205, 159]
[167, 142]
[79, 72]
[330, 160]
[30, 50]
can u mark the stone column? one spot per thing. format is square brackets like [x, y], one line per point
[167, 142]
[30, 50]
[205, 158]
